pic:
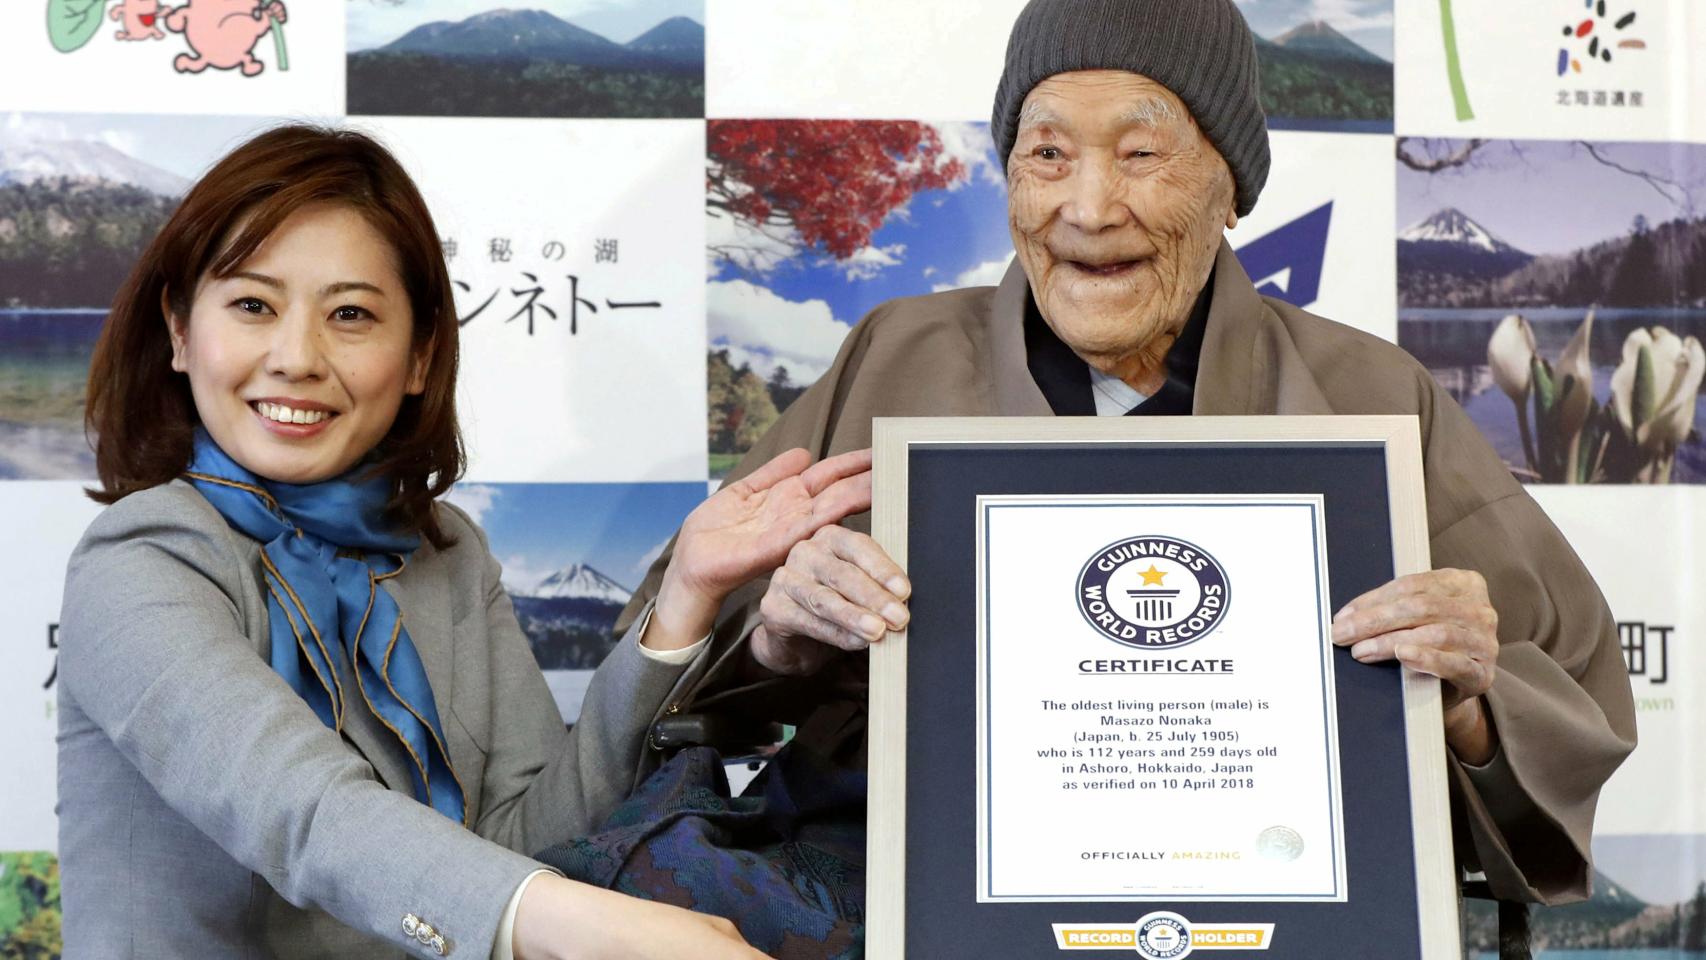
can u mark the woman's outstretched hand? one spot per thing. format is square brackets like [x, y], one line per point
[745, 530]
[562, 919]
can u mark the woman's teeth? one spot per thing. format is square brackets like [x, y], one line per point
[280, 413]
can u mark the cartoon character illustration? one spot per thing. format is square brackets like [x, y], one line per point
[140, 18]
[220, 33]
[73, 23]
[223, 33]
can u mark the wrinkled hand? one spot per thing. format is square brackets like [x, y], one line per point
[838, 591]
[746, 529]
[1439, 623]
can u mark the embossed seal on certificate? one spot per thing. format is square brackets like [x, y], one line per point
[1153, 592]
[1280, 843]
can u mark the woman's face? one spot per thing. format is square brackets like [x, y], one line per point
[300, 359]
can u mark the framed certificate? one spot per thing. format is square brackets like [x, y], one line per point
[1117, 721]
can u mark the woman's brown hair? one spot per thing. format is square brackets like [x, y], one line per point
[140, 411]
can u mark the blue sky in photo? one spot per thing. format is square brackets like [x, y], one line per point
[945, 231]
[374, 23]
[1553, 197]
[536, 529]
[1368, 22]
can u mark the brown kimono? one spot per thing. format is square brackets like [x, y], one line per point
[1561, 700]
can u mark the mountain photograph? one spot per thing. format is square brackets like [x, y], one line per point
[1448, 253]
[1491, 279]
[525, 63]
[1450, 261]
[569, 617]
[1483, 233]
[1324, 68]
[1613, 918]
[569, 553]
[80, 197]
[74, 214]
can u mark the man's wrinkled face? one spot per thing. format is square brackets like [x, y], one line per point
[1116, 202]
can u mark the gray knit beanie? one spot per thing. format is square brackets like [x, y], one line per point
[1200, 49]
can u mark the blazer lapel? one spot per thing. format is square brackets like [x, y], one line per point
[424, 598]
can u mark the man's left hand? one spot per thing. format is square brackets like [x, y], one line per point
[1439, 623]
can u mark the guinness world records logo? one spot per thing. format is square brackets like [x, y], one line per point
[1153, 592]
[1163, 936]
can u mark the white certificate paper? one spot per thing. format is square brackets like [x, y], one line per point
[1156, 718]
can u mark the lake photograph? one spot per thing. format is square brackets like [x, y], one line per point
[1574, 343]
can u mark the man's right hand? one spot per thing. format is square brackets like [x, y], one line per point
[838, 591]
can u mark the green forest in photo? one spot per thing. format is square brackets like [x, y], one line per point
[67, 243]
[742, 406]
[29, 906]
[416, 84]
[1304, 86]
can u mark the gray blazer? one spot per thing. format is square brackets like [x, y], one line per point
[205, 811]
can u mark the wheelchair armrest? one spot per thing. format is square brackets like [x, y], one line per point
[731, 736]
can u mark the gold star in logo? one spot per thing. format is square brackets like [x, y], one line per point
[1152, 577]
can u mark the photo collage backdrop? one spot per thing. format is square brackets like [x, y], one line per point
[663, 216]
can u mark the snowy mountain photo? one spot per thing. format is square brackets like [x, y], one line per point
[581, 582]
[1485, 250]
[80, 196]
[569, 552]
[1449, 246]
[27, 161]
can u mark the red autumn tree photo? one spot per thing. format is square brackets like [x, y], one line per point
[822, 184]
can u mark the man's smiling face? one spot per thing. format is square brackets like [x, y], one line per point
[1116, 202]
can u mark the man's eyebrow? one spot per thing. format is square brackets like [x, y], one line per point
[1148, 112]
[1036, 114]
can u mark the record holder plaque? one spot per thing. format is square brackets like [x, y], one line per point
[1116, 722]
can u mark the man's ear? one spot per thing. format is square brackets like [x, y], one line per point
[175, 331]
[1231, 218]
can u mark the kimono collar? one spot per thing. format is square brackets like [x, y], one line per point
[1064, 377]
[1247, 363]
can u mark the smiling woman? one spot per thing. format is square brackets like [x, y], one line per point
[351, 270]
[293, 367]
[297, 714]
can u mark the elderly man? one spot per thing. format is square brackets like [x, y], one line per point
[1133, 137]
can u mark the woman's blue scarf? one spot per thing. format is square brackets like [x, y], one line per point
[326, 548]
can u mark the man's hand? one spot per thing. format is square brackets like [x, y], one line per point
[838, 591]
[1439, 623]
